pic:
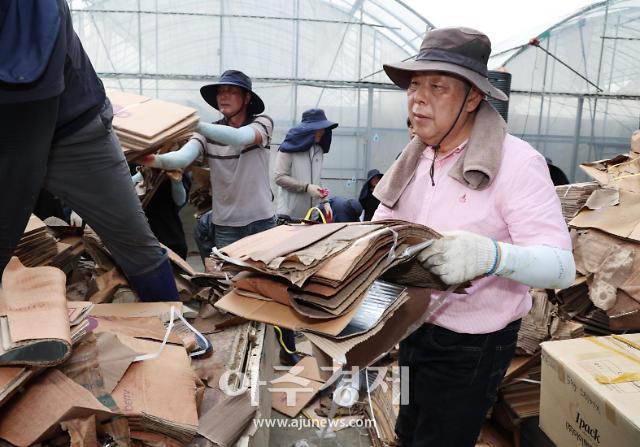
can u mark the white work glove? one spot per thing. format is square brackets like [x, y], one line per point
[315, 191]
[459, 256]
[137, 178]
[75, 220]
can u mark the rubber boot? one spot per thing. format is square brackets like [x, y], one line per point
[156, 284]
[289, 340]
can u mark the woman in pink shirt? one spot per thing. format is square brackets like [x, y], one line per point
[491, 196]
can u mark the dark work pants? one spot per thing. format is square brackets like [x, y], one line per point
[453, 380]
[87, 170]
[26, 131]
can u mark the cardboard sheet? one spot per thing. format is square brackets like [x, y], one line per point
[134, 309]
[260, 247]
[36, 414]
[35, 330]
[276, 314]
[622, 220]
[143, 116]
[293, 391]
[161, 390]
[139, 327]
[225, 422]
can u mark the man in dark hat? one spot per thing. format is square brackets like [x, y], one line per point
[491, 197]
[299, 164]
[237, 149]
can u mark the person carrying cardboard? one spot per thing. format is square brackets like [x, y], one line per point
[490, 195]
[56, 134]
[237, 150]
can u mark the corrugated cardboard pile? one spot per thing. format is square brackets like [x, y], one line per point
[147, 125]
[83, 363]
[604, 219]
[340, 284]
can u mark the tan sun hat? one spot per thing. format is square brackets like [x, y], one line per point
[460, 51]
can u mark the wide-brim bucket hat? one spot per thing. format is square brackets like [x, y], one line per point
[315, 119]
[462, 52]
[239, 79]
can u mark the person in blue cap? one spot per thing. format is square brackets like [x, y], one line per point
[237, 150]
[299, 163]
[56, 134]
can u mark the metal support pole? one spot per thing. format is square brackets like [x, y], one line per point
[139, 49]
[544, 84]
[576, 139]
[296, 57]
[157, 47]
[369, 144]
[221, 49]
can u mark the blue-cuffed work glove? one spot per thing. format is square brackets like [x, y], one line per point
[459, 256]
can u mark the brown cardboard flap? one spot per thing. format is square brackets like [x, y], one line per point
[622, 220]
[163, 388]
[279, 241]
[625, 175]
[291, 393]
[265, 286]
[341, 265]
[276, 314]
[82, 431]
[225, 422]
[51, 399]
[138, 327]
[598, 169]
[134, 309]
[146, 117]
[36, 312]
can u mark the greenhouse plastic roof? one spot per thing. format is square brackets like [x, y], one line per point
[600, 43]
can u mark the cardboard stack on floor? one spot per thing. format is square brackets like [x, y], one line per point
[99, 370]
[595, 397]
[147, 125]
[604, 219]
[45, 244]
[341, 284]
[36, 246]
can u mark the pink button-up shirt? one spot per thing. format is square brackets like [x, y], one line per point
[519, 207]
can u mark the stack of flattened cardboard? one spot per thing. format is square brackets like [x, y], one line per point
[535, 325]
[37, 328]
[604, 298]
[142, 392]
[323, 279]
[112, 379]
[607, 243]
[574, 196]
[69, 244]
[145, 124]
[37, 246]
[34, 322]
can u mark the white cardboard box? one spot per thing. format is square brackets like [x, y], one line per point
[577, 410]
